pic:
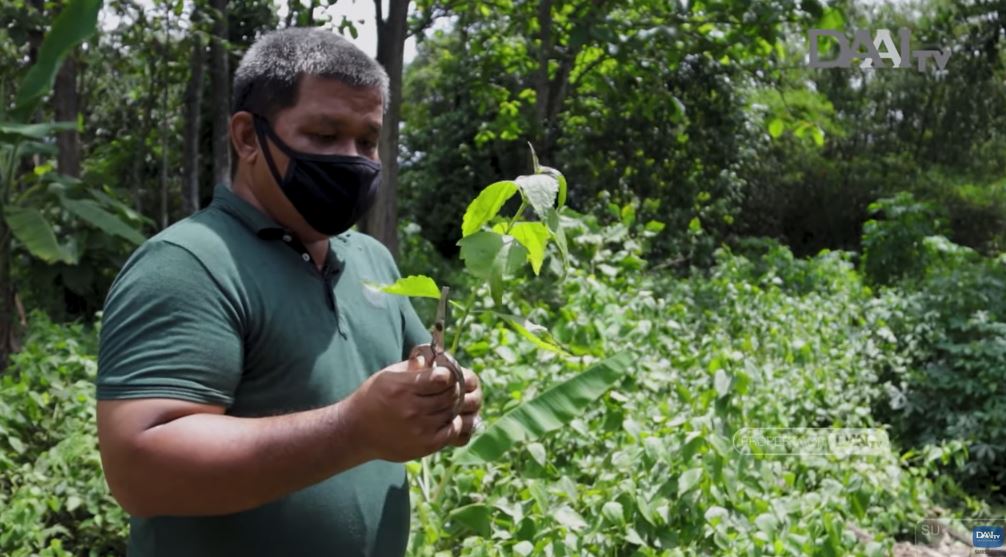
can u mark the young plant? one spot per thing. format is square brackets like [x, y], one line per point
[495, 249]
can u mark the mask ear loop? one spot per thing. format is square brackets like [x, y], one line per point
[262, 129]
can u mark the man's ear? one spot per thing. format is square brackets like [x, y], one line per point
[242, 134]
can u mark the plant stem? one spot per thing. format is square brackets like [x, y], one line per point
[425, 480]
[448, 473]
[520, 211]
[459, 326]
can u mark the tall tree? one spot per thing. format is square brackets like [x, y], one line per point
[220, 85]
[382, 221]
[193, 105]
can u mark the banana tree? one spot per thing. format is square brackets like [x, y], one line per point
[26, 214]
[496, 249]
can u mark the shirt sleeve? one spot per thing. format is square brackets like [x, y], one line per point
[169, 330]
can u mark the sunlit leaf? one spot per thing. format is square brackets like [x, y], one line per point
[534, 237]
[77, 21]
[420, 286]
[540, 191]
[486, 206]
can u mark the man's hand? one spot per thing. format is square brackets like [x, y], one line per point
[406, 411]
[470, 408]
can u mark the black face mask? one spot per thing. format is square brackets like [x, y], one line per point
[331, 192]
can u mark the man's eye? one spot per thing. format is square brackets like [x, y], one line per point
[325, 138]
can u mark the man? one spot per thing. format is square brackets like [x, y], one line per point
[255, 399]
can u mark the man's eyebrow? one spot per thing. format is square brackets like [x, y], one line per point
[336, 122]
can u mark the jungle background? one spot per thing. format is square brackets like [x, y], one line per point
[777, 246]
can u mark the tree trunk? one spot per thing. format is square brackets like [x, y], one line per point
[193, 120]
[382, 220]
[10, 331]
[65, 105]
[220, 83]
[542, 84]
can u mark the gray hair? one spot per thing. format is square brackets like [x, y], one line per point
[267, 78]
[270, 70]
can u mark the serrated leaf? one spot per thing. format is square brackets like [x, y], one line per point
[540, 191]
[509, 259]
[534, 237]
[479, 250]
[487, 205]
[547, 412]
[549, 171]
[420, 286]
[559, 235]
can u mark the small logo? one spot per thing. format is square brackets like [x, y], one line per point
[987, 536]
[873, 49]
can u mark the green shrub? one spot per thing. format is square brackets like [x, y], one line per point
[53, 496]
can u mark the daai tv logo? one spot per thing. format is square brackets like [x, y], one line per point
[878, 50]
[987, 536]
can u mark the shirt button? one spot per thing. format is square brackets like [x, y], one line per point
[287, 238]
[305, 257]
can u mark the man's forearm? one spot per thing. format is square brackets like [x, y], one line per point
[208, 464]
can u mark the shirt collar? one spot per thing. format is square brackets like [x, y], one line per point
[258, 222]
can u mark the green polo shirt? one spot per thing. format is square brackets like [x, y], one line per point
[226, 307]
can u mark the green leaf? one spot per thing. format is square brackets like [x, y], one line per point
[35, 232]
[534, 237]
[479, 250]
[540, 191]
[569, 518]
[10, 131]
[420, 286]
[508, 261]
[818, 134]
[654, 226]
[538, 335]
[612, 511]
[549, 411]
[552, 222]
[534, 159]
[537, 452]
[695, 225]
[549, 171]
[76, 22]
[721, 381]
[16, 444]
[477, 517]
[688, 480]
[95, 215]
[832, 18]
[775, 127]
[486, 206]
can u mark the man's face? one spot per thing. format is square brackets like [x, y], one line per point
[330, 118]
